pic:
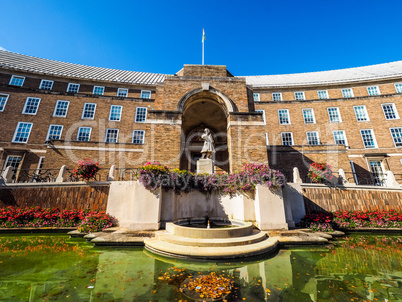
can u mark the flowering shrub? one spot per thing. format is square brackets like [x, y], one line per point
[352, 220]
[86, 169]
[319, 173]
[154, 175]
[36, 217]
[95, 222]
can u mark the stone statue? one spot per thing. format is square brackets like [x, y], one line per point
[208, 147]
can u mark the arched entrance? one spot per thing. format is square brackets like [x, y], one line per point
[204, 110]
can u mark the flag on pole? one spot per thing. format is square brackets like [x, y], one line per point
[203, 35]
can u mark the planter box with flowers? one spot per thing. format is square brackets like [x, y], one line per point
[86, 169]
[320, 172]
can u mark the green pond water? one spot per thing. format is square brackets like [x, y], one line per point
[57, 268]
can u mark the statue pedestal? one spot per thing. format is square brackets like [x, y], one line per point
[205, 165]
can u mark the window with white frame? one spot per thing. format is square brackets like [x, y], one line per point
[398, 87]
[40, 164]
[98, 90]
[89, 111]
[299, 95]
[31, 106]
[277, 96]
[61, 108]
[13, 161]
[22, 132]
[141, 114]
[46, 85]
[308, 115]
[322, 94]
[3, 101]
[16, 80]
[390, 111]
[54, 132]
[334, 115]
[340, 137]
[284, 118]
[312, 138]
[347, 93]
[396, 134]
[84, 134]
[145, 94]
[361, 113]
[111, 135]
[122, 92]
[368, 138]
[115, 113]
[287, 138]
[263, 114]
[256, 97]
[373, 90]
[266, 139]
[73, 87]
[138, 136]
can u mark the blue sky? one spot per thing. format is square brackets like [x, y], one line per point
[250, 37]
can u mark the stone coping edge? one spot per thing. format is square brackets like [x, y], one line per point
[36, 230]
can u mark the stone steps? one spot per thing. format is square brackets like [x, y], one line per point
[211, 252]
[255, 237]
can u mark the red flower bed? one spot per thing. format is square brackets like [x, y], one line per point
[352, 220]
[36, 217]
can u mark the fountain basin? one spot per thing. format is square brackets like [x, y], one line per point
[183, 228]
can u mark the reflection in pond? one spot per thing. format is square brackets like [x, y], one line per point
[57, 268]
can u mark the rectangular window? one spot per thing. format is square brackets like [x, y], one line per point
[98, 90]
[322, 94]
[390, 111]
[46, 85]
[122, 92]
[334, 115]
[276, 96]
[145, 94]
[16, 80]
[111, 135]
[54, 132]
[373, 90]
[299, 96]
[3, 101]
[287, 138]
[284, 118]
[368, 138]
[398, 88]
[312, 138]
[61, 108]
[40, 164]
[22, 132]
[13, 161]
[308, 115]
[84, 134]
[138, 136]
[361, 113]
[266, 139]
[141, 115]
[73, 88]
[31, 106]
[396, 134]
[256, 97]
[89, 111]
[115, 113]
[340, 137]
[263, 114]
[347, 93]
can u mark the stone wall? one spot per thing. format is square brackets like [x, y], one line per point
[323, 198]
[93, 196]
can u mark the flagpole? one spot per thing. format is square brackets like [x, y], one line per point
[202, 52]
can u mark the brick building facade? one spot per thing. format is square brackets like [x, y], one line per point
[55, 113]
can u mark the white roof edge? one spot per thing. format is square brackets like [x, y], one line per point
[338, 76]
